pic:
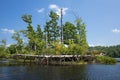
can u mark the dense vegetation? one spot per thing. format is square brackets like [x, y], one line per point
[50, 40]
[112, 51]
[67, 38]
[105, 60]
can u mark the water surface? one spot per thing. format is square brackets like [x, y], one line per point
[81, 72]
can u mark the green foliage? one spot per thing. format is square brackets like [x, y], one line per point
[40, 47]
[52, 28]
[35, 38]
[60, 48]
[112, 51]
[105, 60]
[74, 36]
[3, 42]
[16, 36]
[19, 45]
[69, 32]
[95, 52]
[81, 33]
[2, 52]
[39, 33]
[40, 44]
[27, 18]
[74, 49]
[12, 49]
[30, 32]
[48, 51]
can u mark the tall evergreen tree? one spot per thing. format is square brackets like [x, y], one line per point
[52, 28]
[81, 34]
[47, 33]
[39, 33]
[39, 40]
[69, 31]
[30, 33]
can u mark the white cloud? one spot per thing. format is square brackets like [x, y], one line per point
[116, 30]
[93, 45]
[41, 10]
[11, 31]
[53, 6]
[58, 9]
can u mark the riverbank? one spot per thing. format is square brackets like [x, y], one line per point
[59, 59]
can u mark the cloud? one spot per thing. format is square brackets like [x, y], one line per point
[93, 45]
[58, 9]
[11, 31]
[41, 10]
[53, 6]
[116, 30]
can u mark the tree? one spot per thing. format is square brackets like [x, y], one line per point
[3, 42]
[52, 28]
[47, 33]
[39, 33]
[39, 40]
[27, 18]
[30, 33]
[19, 45]
[81, 34]
[3, 50]
[69, 32]
[12, 49]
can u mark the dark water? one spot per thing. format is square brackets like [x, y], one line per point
[81, 72]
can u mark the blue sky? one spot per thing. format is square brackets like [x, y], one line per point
[102, 17]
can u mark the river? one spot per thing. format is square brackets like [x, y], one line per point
[79, 72]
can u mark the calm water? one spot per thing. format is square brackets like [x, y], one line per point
[82, 72]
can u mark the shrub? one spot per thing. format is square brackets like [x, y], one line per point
[105, 60]
[48, 51]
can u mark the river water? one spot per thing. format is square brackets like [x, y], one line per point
[79, 72]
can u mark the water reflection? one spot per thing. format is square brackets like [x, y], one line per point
[103, 72]
[56, 73]
[81, 72]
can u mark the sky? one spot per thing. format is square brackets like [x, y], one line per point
[102, 17]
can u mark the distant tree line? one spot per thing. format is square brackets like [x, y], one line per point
[112, 51]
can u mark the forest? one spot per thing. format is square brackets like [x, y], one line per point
[55, 38]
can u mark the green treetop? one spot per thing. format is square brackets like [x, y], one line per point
[52, 28]
[69, 32]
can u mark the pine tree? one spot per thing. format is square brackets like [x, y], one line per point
[52, 28]
[39, 40]
[30, 33]
[69, 31]
[81, 34]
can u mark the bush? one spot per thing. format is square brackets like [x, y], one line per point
[60, 49]
[48, 51]
[105, 60]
